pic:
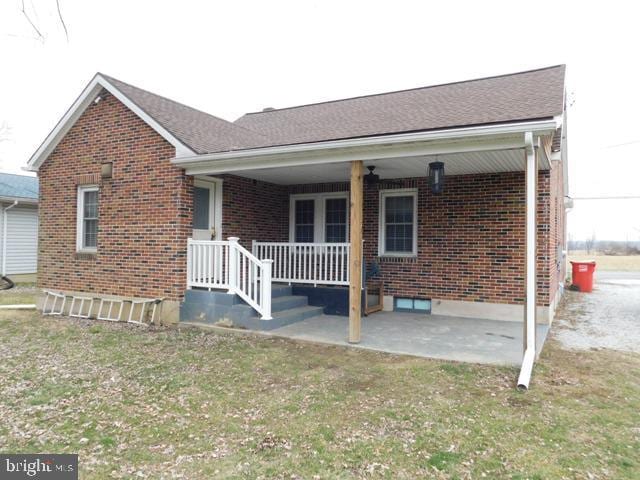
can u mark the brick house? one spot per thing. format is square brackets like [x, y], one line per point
[450, 198]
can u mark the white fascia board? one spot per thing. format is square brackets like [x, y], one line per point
[87, 96]
[459, 140]
[20, 200]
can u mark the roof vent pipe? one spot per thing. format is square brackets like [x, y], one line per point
[268, 109]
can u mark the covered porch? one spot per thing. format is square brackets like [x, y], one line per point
[479, 159]
[458, 339]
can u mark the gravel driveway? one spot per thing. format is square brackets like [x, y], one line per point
[609, 317]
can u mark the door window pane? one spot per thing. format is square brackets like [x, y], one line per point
[201, 203]
[399, 224]
[305, 217]
[336, 220]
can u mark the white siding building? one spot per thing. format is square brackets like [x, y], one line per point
[18, 226]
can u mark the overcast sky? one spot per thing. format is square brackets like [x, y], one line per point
[231, 57]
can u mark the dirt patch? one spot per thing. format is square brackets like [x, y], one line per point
[20, 294]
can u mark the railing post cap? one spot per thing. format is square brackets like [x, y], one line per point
[234, 239]
[267, 260]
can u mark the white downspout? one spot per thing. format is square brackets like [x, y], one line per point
[4, 236]
[531, 178]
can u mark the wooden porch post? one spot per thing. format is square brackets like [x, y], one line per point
[355, 257]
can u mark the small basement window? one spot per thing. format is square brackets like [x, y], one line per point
[417, 305]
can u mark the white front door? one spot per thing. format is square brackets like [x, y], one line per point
[206, 211]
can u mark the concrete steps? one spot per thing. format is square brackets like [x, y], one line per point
[218, 307]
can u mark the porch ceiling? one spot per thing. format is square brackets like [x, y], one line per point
[490, 161]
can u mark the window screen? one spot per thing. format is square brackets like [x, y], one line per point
[305, 217]
[336, 220]
[201, 202]
[90, 219]
[398, 218]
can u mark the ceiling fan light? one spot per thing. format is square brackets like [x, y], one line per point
[371, 178]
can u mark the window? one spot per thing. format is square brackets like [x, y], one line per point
[398, 223]
[305, 220]
[87, 224]
[411, 305]
[201, 202]
[319, 217]
[335, 220]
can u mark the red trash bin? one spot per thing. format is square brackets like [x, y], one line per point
[582, 275]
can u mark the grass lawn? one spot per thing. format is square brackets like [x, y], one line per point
[164, 403]
[620, 263]
[20, 294]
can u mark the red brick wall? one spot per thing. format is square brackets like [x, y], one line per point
[557, 219]
[254, 210]
[470, 239]
[144, 210]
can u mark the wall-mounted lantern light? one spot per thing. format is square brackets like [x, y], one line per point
[436, 176]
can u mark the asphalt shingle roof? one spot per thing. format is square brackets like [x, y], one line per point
[18, 186]
[521, 96]
[200, 131]
[530, 95]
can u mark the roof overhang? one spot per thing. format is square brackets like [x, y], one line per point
[506, 136]
[88, 95]
[20, 200]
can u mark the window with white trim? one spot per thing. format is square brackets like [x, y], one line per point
[397, 227]
[87, 222]
[319, 217]
[335, 220]
[305, 220]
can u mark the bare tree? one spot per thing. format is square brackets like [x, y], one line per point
[590, 243]
[4, 131]
[5, 134]
[38, 31]
[33, 25]
[64, 25]
[570, 242]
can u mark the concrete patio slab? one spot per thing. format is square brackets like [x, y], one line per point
[433, 336]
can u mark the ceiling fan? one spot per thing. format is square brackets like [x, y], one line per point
[374, 179]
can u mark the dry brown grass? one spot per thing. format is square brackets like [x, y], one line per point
[621, 263]
[156, 403]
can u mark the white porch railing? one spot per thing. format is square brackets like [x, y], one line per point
[315, 263]
[216, 264]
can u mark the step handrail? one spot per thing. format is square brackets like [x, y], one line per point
[227, 264]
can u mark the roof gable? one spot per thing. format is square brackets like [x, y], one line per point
[189, 130]
[518, 97]
[200, 131]
[515, 97]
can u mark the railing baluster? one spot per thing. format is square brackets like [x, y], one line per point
[313, 256]
[332, 260]
[313, 263]
[295, 263]
[210, 265]
[199, 264]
